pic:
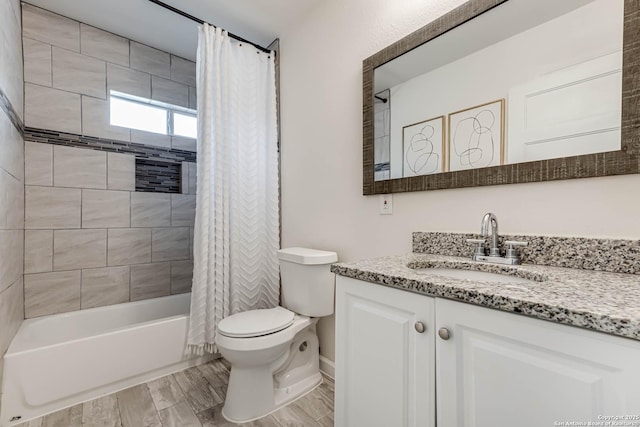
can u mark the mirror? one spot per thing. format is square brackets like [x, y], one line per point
[499, 92]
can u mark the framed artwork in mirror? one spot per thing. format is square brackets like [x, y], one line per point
[476, 136]
[423, 147]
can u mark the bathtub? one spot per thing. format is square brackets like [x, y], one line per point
[60, 360]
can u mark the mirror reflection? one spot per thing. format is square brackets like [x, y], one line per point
[524, 81]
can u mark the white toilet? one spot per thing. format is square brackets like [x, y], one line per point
[274, 353]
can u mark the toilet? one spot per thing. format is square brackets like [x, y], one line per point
[274, 353]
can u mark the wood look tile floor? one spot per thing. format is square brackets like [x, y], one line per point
[189, 398]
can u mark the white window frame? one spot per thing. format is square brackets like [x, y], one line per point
[170, 108]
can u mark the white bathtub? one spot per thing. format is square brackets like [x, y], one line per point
[60, 360]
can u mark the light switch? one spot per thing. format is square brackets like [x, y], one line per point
[386, 204]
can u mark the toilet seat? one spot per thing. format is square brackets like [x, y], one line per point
[256, 323]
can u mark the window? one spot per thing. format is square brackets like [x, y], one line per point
[185, 125]
[152, 116]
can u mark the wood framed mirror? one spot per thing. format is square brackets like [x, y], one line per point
[528, 114]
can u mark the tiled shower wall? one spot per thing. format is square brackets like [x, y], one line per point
[11, 176]
[91, 239]
[70, 67]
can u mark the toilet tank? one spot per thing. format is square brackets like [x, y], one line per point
[308, 285]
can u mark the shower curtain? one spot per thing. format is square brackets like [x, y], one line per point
[237, 227]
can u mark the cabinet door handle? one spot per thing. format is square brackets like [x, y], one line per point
[444, 333]
[420, 327]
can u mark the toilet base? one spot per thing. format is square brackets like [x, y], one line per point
[258, 389]
[284, 396]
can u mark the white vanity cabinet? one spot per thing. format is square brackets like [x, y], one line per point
[384, 365]
[501, 370]
[495, 369]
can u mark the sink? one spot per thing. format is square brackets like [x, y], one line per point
[483, 276]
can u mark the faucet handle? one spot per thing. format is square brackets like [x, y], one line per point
[479, 248]
[476, 240]
[511, 250]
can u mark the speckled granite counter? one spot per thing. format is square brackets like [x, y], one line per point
[602, 301]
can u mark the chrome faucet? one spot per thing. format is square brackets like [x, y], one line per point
[494, 256]
[494, 250]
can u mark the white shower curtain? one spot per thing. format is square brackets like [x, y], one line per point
[237, 208]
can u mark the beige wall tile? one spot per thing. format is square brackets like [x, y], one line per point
[96, 120]
[193, 177]
[150, 209]
[121, 172]
[104, 45]
[181, 276]
[184, 178]
[149, 138]
[183, 71]
[129, 81]
[37, 62]
[186, 144]
[76, 249]
[38, 163]
[38, 251]
[11, 257]
[168, 91]
[49, 27]
[11, 202]
[50, 207]
[78, 73]
[104, 286]
[150, 280]
[129, 246]
[79, 167]
[105, 209]
[193, 98]
[150, 60]
[11, 65]
[11, 313]
[11, 148]
[169, 244]
[50, 293]
[183, 210]
[48, 108]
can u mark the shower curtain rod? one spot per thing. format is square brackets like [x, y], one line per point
[200, 21]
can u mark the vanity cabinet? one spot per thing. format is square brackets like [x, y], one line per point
[384, 366]
[495, 369]
[500, 369]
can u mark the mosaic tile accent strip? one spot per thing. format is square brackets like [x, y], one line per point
[157, 176]
[158, 169]
[110, 145]
[612, 255]
[601, 301]
[7, 107]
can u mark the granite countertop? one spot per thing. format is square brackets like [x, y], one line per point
[601, 301]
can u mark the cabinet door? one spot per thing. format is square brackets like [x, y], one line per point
[500, 369]
[384, 367]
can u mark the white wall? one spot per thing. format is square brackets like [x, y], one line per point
[322, 202]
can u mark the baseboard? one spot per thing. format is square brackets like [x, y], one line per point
[327, 367]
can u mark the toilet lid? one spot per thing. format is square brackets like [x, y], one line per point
[255, 323]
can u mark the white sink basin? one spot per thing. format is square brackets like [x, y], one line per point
[483, 276]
